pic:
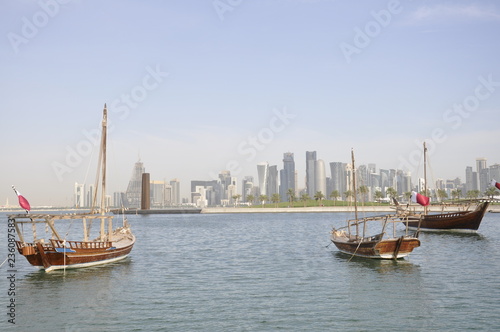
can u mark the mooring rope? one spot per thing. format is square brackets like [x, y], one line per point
[355, 251]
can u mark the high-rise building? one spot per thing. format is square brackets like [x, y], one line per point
[495, 172]
[168, 195]
[311, 173]
[118, 199]
[483, 174]
[209, 191]
[225, 182]
[405, 182]
[470, 179]
[339, 177]
[263, 174]
[384, 181]
[272, 181]
[320, 178]
[176, 192]
[480, 164]
[247, 186]
[79, 195]
[287, 176]
[134, 187]
[157, 194]
[232, 191]
[89, 196]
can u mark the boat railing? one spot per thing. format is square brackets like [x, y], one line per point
[387, 217]
[445, 216]
[29, 248]
[81, 244]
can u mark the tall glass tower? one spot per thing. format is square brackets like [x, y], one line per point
[133, 192]
[272, 181]
[311, 173]
[287, 176]
[320, 178]
[176, 192]
[263, 173]
[483, 174]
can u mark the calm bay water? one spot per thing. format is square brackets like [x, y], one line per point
[264, 272]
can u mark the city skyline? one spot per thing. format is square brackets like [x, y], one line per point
[193, 88]
[221, 191]
[83, 192]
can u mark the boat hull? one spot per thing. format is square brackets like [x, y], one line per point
[385, 249]
[465, 221]
[81, 265]
[50, 258]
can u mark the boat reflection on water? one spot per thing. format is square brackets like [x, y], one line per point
[379, 265]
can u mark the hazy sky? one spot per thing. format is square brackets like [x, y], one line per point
[196, 87]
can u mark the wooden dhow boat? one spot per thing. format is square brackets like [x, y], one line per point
[353, 239]
[467, 219]
[458, 221]
[58, 252]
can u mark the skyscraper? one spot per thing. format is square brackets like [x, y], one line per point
[133, 192]
[272, 181]
[176, 192]
[157, 193]
[470, 179]
[483, 174]
[263, 173]
[225, 182]
[206, 191]
[79, 195]
[311, 173]
[338, 171]
[168, 195]
[320, 178]
[287, 176]
[247, 187]
[494, 172]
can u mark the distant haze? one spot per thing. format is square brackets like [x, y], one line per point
[197, 87]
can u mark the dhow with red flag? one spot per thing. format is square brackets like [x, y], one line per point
[23, 202]
[495, 184]
[420, 199]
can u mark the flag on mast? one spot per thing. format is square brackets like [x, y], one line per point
[420, 199]
[495, 184]
[23, 202]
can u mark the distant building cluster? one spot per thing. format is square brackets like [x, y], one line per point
[280, 185]
[162, 194]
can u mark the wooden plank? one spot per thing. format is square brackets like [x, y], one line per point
[45, 261]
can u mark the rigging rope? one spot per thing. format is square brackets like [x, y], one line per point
[355, 251]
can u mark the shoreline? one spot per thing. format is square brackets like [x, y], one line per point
[239, 210]
[324, 209]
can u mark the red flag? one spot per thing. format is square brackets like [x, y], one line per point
[23, 202]
[495, 184]
[420, 199]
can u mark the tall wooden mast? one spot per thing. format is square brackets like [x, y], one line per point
[354, 191]
[103, 155]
